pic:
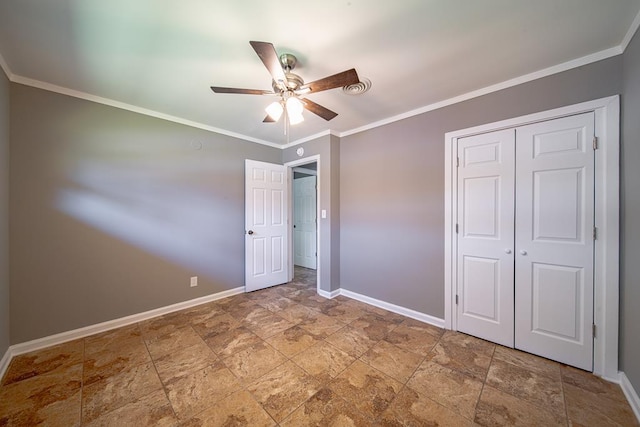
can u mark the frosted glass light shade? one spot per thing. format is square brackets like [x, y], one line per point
[294, 110]
[274, 110]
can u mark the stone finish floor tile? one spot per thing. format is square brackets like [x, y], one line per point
[525, 384]
[352, 341]
[184, 361]
[42, 361]
[151, 410]
[233, 341]
[448, 387]
[255, 361]
[416, 340]
[196, 392]
[324, 361]
[283, 389]
[293, 341]
[325, 408]
[587, 408]
[286, 356]
[43, 399]
[366, 388]
[413, 409]
[497, 408]
[236, 410]
[534, 363]
[398, 363]
[463, 353]
[118, 390]
[167, 344]
[321, 325]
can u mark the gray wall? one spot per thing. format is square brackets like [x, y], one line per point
[113, 211]
[392, 186]
[4, 215]
[327, 147]
[630, 215]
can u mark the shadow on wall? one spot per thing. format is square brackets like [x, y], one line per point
[146, 207]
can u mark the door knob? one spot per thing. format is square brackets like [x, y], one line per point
[523, 252]
[507, 251]
[250, 232]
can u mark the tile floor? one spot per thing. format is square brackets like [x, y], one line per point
[285, 356]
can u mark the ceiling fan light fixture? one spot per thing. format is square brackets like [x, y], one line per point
[274, 110]
[294, 110]
[295, 118]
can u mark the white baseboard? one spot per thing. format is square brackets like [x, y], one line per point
[4, 362]
[329, 295]
[60, 338]
[435, 321]
[631, 394]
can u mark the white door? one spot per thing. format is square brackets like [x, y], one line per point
[525, 238]
[304, 222]
[554, 239]
[265, 225]
[485, 236]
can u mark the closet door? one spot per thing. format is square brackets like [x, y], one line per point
[485, 236]
[554, 239]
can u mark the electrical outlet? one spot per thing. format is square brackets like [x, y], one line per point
[194, 281]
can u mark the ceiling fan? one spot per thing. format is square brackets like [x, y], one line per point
[290, 87]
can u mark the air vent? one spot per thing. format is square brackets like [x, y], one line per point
[357, 88]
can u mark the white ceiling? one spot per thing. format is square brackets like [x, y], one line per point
[161, 56]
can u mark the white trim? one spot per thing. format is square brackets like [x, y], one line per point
[631, 394]
[4, 363]
[588, 59]
[606, 266]
[435, 321]
[575, 63]
[124, 106]
[290, 166]
[309, 138]
[116, 323]
[306, 171]
[630, 33]
[328, 295]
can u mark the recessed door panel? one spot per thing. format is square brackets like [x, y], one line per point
[559, 142]
[485, 236]
[481, 282]
[558, 205]
[305, 225]
[554, 239]
[556, 301]
[481, 207]
[483, 153]
[265, 225]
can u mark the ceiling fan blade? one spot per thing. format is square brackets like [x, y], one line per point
[218, 89]
[344, 78]
[318, 109]
[268, 119]
[269, 57]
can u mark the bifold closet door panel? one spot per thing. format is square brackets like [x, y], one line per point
[554, 239]
[485, 269]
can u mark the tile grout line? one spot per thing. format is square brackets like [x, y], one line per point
[155, 368]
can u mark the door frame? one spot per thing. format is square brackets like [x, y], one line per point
[607, 208]
[290, 166]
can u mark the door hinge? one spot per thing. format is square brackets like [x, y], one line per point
[456, 299]
[595, 233]
[456, 228]
[457, 162]
[595, 142]
[593, 330]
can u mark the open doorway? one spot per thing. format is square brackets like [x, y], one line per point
[305, 222]
[304, 231]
